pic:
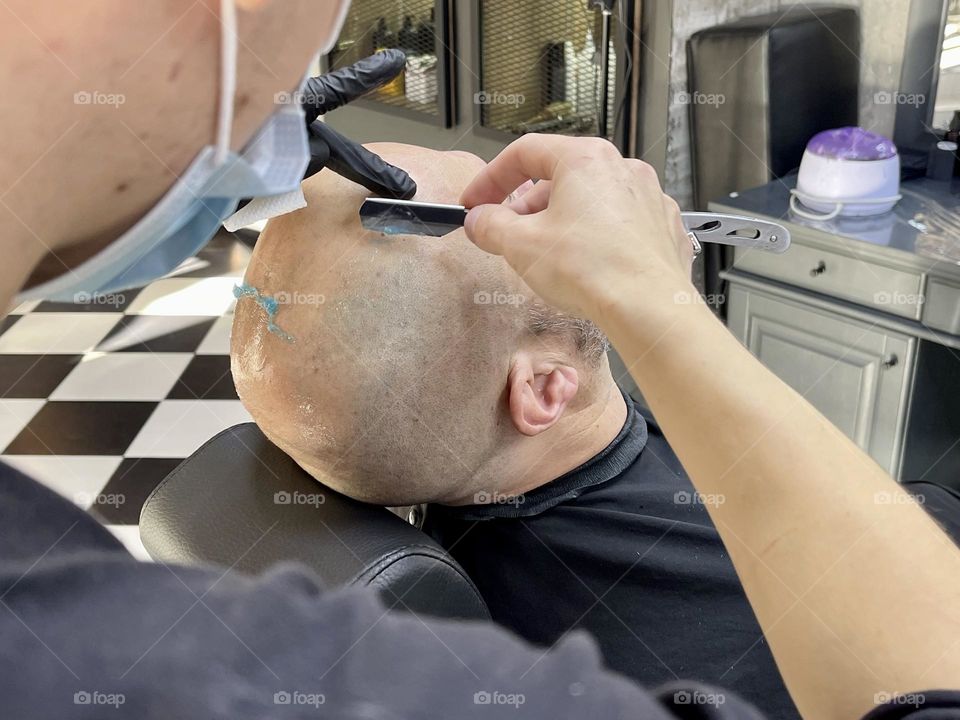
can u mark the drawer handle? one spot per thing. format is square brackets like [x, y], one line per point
[819, 269]
[891, 361]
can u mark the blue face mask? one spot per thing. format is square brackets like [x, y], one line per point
[272, 164]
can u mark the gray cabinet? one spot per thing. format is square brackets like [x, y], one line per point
[862, 317]
[855, 372]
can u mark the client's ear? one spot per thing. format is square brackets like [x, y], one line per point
[539, 390]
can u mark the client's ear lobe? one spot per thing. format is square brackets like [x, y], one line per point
[539, 392]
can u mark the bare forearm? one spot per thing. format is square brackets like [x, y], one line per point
[855, 587]
[856, 597]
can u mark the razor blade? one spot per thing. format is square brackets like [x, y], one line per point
[411, 217]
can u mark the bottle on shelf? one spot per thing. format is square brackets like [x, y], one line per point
[383, 39]
[407, 37]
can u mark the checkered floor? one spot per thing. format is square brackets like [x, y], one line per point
[100, 401]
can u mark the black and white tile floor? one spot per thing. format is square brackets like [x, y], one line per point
[101, 400]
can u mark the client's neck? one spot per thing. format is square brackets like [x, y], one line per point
[571, 442]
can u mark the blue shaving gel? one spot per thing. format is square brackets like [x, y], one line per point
[269, 304]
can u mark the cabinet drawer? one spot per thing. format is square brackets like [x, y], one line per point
[888, 289]
[941, 307]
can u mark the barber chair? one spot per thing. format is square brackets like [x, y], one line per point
[941, 502]
[239, 502]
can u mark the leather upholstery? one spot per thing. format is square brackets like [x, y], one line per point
[941, 502]
[241, 502]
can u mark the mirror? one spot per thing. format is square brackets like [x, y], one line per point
[948, 87]
[916, 125]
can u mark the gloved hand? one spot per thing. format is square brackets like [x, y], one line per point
[328, 148]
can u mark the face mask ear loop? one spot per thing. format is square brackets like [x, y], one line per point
[228, 78]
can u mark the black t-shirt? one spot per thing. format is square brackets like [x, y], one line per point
[623, 548]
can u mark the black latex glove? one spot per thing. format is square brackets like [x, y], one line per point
[330, 149]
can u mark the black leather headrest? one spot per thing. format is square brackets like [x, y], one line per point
[241, 502]
[941, 502]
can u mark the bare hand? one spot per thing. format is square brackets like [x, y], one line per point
[595, 225]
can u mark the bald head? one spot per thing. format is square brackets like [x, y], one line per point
[385, 369]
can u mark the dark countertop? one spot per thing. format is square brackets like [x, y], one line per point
[925, 223]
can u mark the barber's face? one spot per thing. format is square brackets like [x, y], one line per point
[154, 71]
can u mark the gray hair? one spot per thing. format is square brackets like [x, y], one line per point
[588, 339]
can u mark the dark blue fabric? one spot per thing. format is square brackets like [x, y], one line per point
[926, 705]
[88, 632]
